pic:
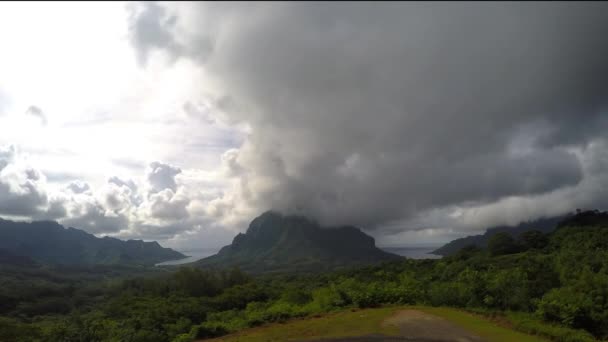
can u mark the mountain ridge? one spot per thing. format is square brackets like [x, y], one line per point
[545, 225]
[50, 242]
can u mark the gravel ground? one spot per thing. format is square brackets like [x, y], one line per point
[416, 326]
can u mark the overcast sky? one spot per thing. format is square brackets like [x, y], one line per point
[419, 122]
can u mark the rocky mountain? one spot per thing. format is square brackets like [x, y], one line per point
[275, 243]
[545, 225]
[49, 242]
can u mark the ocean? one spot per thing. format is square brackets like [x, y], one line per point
[193, 255]
[413, 252]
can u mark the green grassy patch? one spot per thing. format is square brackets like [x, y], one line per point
[339, 324]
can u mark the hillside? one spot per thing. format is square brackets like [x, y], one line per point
[556, 292]
[49, 242]
[274, 242]
[544, 225]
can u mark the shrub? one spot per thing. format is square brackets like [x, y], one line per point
[501, 243]
[449, 294]
[529, 324]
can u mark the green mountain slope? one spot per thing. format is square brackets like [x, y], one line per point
[544, 225]
[49, 242]
[274, 242]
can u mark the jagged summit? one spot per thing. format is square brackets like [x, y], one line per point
[276, 242]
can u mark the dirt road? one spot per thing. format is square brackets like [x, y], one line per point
[416, 326]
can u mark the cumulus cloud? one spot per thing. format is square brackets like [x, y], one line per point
[78, 187]
[162, 176]
[370, 113]
[91, 216]
[22, 190]
[130, 189]
[120, 208]
[167, 205]
[117, 207]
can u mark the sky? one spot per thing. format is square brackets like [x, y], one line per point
[418, 122]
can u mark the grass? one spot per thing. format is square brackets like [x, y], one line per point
[339, 324]
[490, 331]
[369, 321]
[530, 324]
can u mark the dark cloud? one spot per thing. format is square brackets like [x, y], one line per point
[26, 200]
[37, 113]
[56, 210]
[152, 28]
[369, 113]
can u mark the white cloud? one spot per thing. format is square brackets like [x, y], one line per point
[184, 121]
[162, 176]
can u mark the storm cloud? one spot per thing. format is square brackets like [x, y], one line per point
[368, 113]
[411, 120]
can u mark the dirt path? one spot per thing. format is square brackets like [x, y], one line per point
[416, 326]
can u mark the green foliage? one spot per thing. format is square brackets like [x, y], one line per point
[531, 325]
[501, 244]
[557, 289]
[533, 239]
[328, 298]
[13, 330]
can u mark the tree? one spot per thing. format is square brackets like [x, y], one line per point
[533, 239]
[502, 243]
[467, 252]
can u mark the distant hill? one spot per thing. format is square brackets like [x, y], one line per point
[49, 242]
[587, 218]
[10, 259]
[275, 243]
[582, 235]
[545, 225]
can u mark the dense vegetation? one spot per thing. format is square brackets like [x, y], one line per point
[555, 284]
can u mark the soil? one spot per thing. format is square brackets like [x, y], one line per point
[415, 326]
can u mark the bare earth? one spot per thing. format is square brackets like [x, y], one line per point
[416, 326]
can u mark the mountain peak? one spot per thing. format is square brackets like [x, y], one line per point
[282, 242]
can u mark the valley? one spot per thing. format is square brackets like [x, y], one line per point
[530, 284]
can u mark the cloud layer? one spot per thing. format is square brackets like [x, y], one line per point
[374, 113]
[420, 117]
